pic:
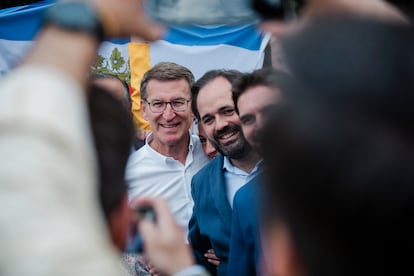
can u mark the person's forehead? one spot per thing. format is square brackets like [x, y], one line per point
[168, 88]
[214, 95]
[256, 98]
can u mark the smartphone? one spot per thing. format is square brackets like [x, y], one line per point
[136, 244]
[146, 212]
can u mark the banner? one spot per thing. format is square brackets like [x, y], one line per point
[200, 48]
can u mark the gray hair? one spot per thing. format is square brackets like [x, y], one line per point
[165, 71]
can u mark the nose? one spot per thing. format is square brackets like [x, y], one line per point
[168, 113]
[221, 122]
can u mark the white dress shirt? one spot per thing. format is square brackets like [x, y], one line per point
[150, 174]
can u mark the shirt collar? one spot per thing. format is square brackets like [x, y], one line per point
[150, 137]
[191, 145]
[228, 166]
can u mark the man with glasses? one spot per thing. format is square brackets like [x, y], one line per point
[165, 165]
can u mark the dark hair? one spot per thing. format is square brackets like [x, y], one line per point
[405, 6]
[269, 77]
[271, 10]
[165, 71]
[339, 150]
[97, 76]
[113, 133]
[230, 75]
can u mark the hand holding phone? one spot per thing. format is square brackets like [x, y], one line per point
[144, 212]
[164, 239]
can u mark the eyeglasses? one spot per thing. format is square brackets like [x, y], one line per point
[177, 105]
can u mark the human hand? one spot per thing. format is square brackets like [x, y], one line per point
[164, 243]
[153, 270]
[212, 258]
[122, 18]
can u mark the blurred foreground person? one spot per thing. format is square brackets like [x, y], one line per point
[118, 88]
[339, 193]
[48, 184]
[311, 9]
[254, 95]
[113, 133]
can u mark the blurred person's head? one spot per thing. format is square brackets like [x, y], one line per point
[113, 133]
[254, 95]
[397, 11]
[214, 108]
[208, 148]
[165, 96]
[119, 88]
[338, 192]
[405, 6]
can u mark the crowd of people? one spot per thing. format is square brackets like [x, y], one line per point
[304, 171]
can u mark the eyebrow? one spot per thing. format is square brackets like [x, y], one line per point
[221, 110]
[247, 115]
[175, 99]
[225, 107]
[205, 116]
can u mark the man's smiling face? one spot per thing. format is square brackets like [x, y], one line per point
[169, 127]
[220, 120]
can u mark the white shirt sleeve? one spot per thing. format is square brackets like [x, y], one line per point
[50, 220]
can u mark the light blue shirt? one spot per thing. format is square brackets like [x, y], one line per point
[235, 178]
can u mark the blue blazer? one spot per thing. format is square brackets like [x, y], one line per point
[210, 224]
[245, 248]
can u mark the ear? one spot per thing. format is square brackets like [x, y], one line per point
[280, 258]
[119, 221]
[143, 109]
